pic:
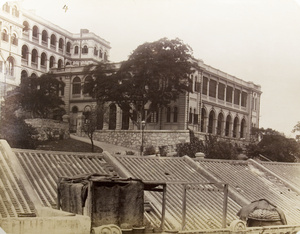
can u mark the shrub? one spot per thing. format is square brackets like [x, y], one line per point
[149, 150]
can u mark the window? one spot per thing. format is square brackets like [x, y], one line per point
[43, 59]
[45, 37]
[60, 64]
[76, 49]
[15, 11]
[11, 64]
[4, 35]
[212, 88]
[237, 93]
[95, 51]
[76, 87]
[191, 116]
[60, 44]
[221, 91]
[34, 56]
[229, 91]
[105, 56]
[26, 27]
[68, 49]
[52, 62]
[204, 87]
[244, 99]
[85, 50]
[175, 115]
[168, 114]
[53, 40]
[100, 54]
[14, 39]
[195, 117]
[35, 31]
[6, 7]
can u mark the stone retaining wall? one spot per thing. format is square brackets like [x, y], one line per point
[133, 138]
[49, 129]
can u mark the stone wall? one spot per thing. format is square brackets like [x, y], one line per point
[133, 138]
[49, 129]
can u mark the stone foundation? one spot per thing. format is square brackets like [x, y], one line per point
[133, 138]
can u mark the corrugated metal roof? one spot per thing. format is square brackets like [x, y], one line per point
[43, 169]
[204, 208]
[14, 200]
[254, 184]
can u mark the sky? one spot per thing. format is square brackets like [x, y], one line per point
[255, 40]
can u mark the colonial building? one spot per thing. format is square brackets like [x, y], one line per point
[31, 46]
[218, 103]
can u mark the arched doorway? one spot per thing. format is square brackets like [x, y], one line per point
[243, 128]
[235, 127]
[125, 119]
[203, 117]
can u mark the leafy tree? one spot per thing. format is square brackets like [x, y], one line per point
[296, 127]
[13, 128]
[90, 126]
[274, 146]
[155, 74]
[39, 95]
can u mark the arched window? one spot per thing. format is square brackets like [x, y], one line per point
[220, 124]
[35, 32]
[53, 41]
[52, 61]
[5, 35]
[85, 50]
[14, 39]
[24, 75]
[74, 109]
[34, 56]
[68, 63]
[11, 66]
[100, 53]
[25, 52]
[6, 7]
[33, 75]
[243, 128]
[60, 44]
[235, 127]
[203, 118]
[228, 124]
[26, 27]
[76, 86]
[43, 59]
[60, 64]
[112, 117]
[95, 51]
[168, 114]
[68, 47]
[15, 11]
[45, 37]
[175, 115]
[211, 122]
[76, 50]
[105, 56]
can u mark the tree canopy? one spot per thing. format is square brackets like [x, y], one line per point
[39, 95]
[155, 74]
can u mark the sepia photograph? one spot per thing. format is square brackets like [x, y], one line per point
[150, 116]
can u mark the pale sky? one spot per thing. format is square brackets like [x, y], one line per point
[255, 40]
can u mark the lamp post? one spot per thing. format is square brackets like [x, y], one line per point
[143, 128]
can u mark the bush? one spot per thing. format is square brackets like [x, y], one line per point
[149, 150]
[191, 148]
[130, 152]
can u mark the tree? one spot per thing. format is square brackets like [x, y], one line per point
[40, 95]
[274, 146]
[296, 127]
[155, 74]
[90, 125]
[13, 127]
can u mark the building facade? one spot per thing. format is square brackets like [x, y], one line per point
[31, 46]
[218, 103]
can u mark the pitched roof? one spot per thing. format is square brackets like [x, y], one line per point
[253, 183]
[44, 167]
